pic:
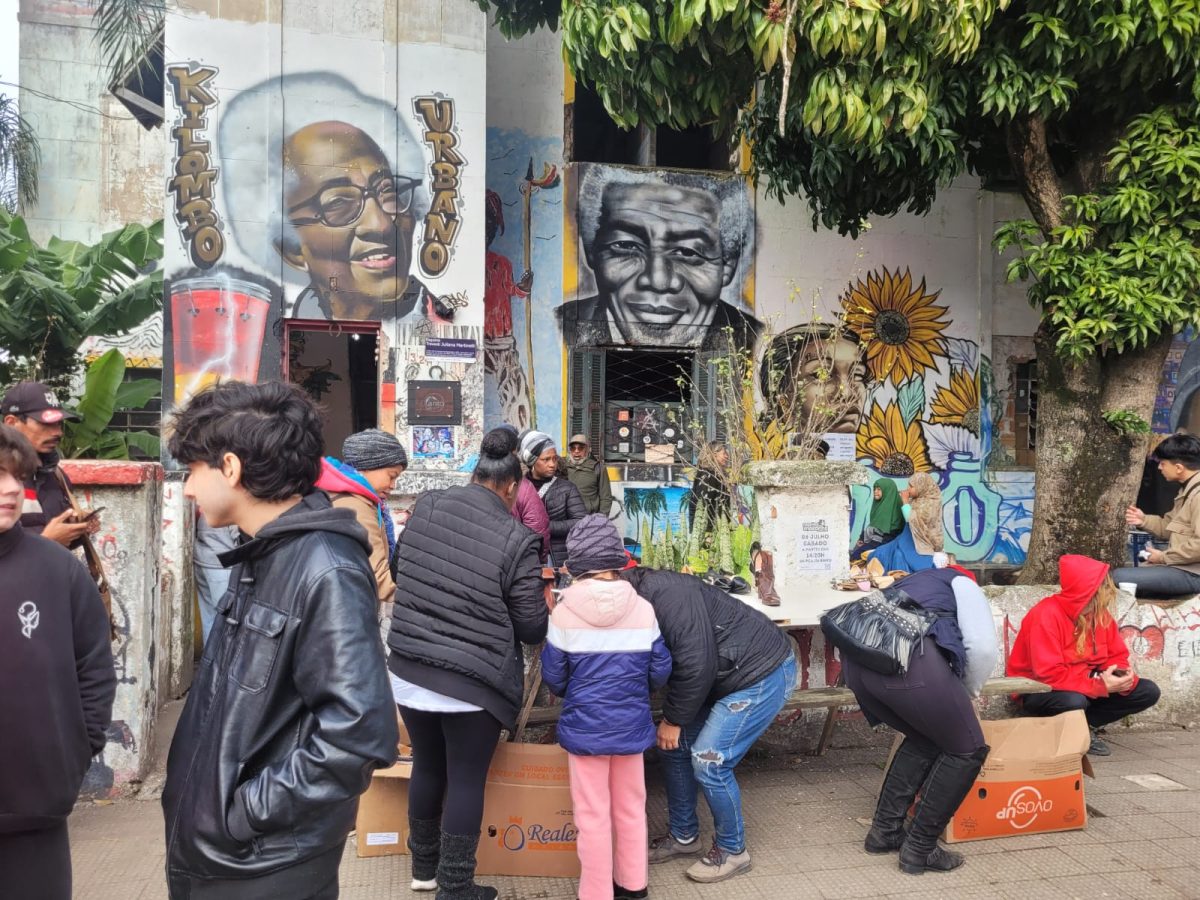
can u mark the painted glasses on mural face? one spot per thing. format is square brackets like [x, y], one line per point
[350, 217]
[659, 262]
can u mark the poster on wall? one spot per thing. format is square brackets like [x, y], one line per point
[658, 258]
[433, 443]
[317, 178]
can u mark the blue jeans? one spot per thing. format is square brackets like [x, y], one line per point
[211, 585]
[1159, 581]
[709, 750]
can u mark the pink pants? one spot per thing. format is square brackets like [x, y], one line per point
[609, 794]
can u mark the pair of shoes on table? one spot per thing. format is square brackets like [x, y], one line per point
[732, 584]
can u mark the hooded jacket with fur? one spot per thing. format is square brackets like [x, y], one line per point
[1045, 646]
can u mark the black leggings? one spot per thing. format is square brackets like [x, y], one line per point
[451, 753]
[1100, 711]
[36, 865]
[927, 704]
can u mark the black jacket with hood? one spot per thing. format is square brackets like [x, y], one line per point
[469, 591]
[718, 644]
[290, 710]
[56, 668]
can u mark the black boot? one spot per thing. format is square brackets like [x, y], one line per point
[623, 893]
[949, 780]
[456, 870]
[908, 771]
[425, 844]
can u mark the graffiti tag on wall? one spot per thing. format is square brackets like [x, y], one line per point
[195, 176]
[442, 221]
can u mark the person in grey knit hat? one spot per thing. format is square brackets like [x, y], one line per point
[563, 502]
[595, 546]
[373, 449]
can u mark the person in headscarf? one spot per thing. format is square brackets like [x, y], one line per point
[886, 519]
[528, 508]
[564, 504]
[920, 543]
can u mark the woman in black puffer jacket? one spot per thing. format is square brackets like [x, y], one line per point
[468, 592]
[564, 503]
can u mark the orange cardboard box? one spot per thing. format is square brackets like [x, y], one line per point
[1031, 783]
[528, 818]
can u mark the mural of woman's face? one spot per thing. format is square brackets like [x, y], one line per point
[361, 265]
[844, 390]
[658, 260]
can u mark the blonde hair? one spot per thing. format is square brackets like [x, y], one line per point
[925, 516]
[1099, 613]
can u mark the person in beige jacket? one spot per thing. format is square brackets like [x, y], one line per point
[1175, 571]
[360, 481]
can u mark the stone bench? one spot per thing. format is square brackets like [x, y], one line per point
[830, 698]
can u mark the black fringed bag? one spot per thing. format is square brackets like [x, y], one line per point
[879, 631]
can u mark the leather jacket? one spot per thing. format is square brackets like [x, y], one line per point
[291, 708]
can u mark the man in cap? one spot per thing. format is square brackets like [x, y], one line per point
[589, 475]
[32, 409]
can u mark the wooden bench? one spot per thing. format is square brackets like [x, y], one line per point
[830, 698]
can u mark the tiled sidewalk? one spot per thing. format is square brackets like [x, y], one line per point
[806, 819]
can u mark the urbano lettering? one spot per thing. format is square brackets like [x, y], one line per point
[442, 221]
[194, 182]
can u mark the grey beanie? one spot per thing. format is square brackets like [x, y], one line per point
[594, 546]
[533, 445]
[373, 449]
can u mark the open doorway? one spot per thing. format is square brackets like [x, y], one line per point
[337, 364]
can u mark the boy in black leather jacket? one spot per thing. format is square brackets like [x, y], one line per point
[291, 709]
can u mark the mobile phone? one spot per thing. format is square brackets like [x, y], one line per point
[1120, 673]
[91, 514]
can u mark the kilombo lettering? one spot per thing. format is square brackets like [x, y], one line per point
[1023, 807]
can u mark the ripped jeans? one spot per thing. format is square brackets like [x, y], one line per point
[709, 750]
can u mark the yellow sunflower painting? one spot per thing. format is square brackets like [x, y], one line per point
[892, 447]
[899, 325]
[958, 402]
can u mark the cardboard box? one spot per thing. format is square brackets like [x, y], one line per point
[1032, 782]
[528, 818]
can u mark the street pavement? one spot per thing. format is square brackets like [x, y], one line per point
[806, 819]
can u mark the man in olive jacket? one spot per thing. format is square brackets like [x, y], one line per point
[589, 475]
[290, 710]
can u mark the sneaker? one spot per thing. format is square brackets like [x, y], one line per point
[667, 847]
[417, 885]
[1098, 747]
[718, 864]
[621, 893]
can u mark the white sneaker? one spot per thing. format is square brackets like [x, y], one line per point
[430, 885]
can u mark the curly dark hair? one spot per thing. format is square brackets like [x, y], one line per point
[273, 428]
[17, 456]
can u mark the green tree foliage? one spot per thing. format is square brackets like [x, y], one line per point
[20, 156]
[53, 297]
[105, 393]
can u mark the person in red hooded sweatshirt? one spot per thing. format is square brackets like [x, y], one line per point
[1071, 642]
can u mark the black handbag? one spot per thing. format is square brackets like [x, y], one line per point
[879, 631]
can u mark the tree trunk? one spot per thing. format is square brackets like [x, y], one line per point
[1087, 473]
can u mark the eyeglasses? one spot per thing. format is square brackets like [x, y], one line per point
[340, 205]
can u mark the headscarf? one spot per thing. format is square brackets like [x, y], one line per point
[886, 516]
[925, 522]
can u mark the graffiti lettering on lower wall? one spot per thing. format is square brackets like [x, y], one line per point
[195, 177]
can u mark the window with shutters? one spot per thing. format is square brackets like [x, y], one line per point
[647, 408]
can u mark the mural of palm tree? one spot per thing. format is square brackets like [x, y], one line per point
[633, 509]
[654, 504]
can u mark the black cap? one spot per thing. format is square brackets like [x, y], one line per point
[34, 400]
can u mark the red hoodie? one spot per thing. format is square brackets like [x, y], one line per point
[1045, 646]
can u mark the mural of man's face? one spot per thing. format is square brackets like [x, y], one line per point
[338, 192]
[659, 261]
[845, 390]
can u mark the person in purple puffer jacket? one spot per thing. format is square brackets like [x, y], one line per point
[603, 656]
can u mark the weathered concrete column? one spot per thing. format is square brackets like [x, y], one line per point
[130, 545]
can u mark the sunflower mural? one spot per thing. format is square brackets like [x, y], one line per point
[900, 325]
[957, 403]
[893, 442]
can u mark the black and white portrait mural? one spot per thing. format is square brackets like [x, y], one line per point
[660, 259]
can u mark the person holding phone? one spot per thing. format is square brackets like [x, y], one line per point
[1071, 641]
